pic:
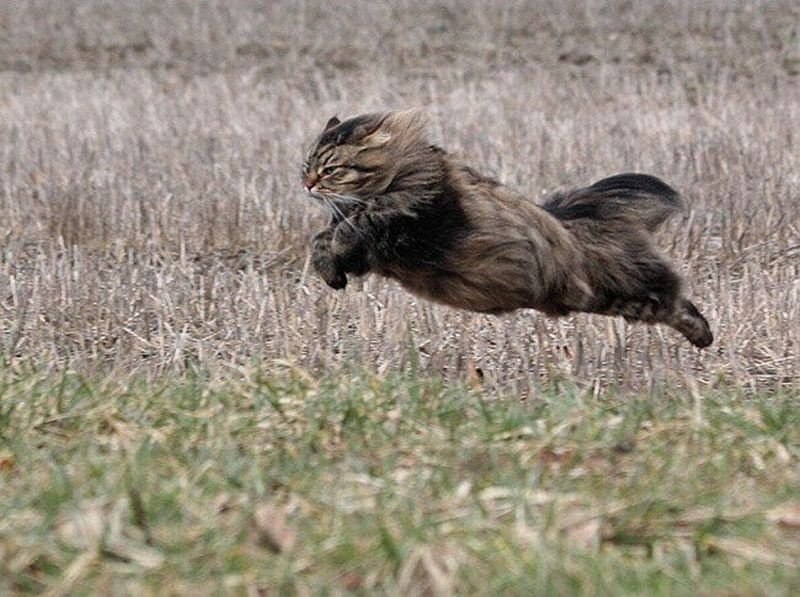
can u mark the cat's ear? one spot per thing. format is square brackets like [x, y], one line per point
[376, 138]
[404, 124]
[372, 133]
[332, 123]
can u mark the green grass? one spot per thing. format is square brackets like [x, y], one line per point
[289, 483]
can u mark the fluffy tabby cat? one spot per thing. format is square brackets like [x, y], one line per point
[406, 209]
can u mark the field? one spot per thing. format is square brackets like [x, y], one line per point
[184, 406]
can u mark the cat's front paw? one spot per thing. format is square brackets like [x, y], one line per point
[336, 279]
[326, 264]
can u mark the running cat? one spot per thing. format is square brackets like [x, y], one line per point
[406, 209]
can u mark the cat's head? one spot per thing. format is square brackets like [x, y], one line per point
[355, 161]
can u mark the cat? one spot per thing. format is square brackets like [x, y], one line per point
[408, 210]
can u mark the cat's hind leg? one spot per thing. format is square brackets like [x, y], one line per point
[678, 313]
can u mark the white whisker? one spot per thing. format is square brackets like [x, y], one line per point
[331, 205]
[349, 199]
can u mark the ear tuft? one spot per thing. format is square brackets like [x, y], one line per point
[371, 123]
[332, 123]
[369, 130]
[376, 138]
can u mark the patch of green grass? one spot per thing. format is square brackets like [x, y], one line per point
[286, 482]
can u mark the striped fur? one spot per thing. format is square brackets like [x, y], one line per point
[408, 210]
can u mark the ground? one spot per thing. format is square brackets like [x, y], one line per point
[184, 404]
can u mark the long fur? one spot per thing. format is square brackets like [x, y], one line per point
[408, 210]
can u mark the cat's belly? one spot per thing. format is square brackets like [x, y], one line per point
[461, 291]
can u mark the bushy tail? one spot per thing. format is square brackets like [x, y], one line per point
[639, 199]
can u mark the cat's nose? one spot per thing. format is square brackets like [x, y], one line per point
[310, 181]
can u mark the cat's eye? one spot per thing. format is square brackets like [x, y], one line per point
[329, 170]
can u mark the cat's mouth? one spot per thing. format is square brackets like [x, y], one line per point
[318, 195]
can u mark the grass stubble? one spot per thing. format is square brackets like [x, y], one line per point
[184, 406]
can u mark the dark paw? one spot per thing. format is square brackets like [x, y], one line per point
[332, 276]
[337, 281]
[327, 266]
[691, 323]
[704, 340]
[701, 335]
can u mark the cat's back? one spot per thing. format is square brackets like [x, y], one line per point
[493, 209]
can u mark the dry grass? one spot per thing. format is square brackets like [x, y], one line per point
[151, 217]
[185, 407]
